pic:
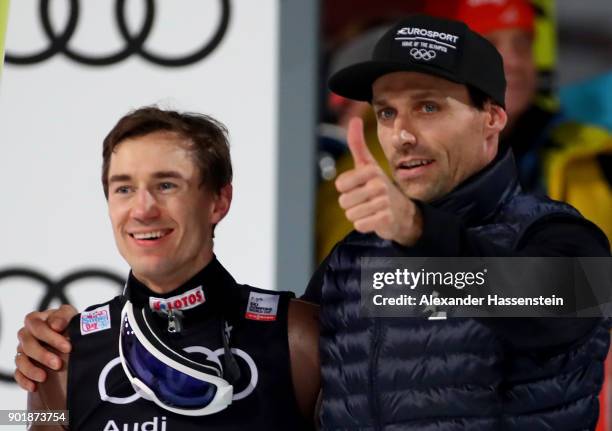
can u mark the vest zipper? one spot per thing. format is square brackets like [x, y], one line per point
[174, 322]
[374, 407]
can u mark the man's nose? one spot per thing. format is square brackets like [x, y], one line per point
[145, 206]
[402, 135]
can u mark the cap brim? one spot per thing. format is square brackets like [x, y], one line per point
[355, 82]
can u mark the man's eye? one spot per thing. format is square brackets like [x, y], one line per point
[166, 186]
[122, 190]
[386, 114]
[429, 107]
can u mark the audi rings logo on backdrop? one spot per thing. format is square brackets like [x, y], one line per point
[423, 54]
[53, 290]
[59, 41]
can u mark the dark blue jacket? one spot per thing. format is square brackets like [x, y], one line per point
[462, 374]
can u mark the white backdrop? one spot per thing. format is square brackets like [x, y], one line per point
[55, 113]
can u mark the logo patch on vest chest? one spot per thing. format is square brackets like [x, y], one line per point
[95, 320]
[262, 306]
[190, 299]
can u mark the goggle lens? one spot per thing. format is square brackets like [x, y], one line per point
[171, 386]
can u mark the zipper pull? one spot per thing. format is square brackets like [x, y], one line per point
[174, 322]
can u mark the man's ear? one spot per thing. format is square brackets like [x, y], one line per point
[496, 119]
[221, 204]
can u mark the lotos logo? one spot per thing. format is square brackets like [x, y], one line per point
[190, 299]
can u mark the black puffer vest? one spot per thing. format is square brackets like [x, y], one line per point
[456, 374]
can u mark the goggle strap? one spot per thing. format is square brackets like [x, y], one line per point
[170, 349]
[231, 370]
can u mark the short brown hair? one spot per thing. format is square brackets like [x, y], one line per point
[208, 136]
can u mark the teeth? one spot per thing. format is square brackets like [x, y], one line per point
[149, 235]
[415, 163]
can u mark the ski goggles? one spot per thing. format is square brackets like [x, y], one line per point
[172, 380]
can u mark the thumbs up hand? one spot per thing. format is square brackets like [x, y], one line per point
[369, 198]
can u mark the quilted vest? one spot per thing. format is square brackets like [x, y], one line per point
[456, 374]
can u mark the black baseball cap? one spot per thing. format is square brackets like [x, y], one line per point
[421, 43]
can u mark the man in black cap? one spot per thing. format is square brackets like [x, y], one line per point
[437, 89]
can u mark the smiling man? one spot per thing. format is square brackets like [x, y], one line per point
[185, 346]
[437, 90]
[164, 232]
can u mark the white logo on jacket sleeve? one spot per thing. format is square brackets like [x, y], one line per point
[95, 320]
[262, 306]
[190, 299]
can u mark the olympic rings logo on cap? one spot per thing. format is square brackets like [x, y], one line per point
[134, 44]
[423, 54]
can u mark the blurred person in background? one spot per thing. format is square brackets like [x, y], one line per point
[333, 154]
[557, 156]
[350, 28]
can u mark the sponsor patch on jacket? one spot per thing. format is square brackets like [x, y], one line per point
[262, 306]
[95, 320]
[190, 299]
